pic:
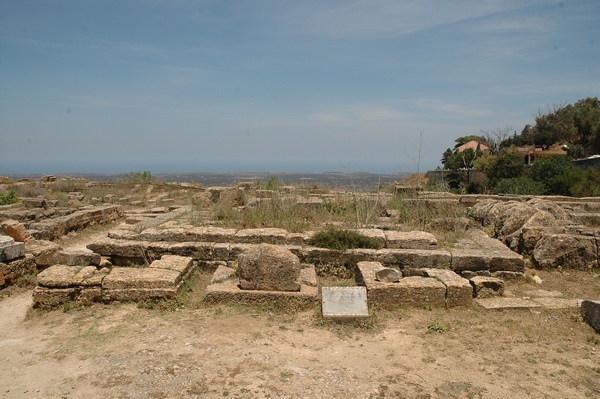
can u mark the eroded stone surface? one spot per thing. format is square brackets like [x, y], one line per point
[10, 250]
[16, 230]
[408, 292]
[14, 269]
[410, 240]
[486, 287]
[459, 291]
[269, 268]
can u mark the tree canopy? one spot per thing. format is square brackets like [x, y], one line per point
[577, 126]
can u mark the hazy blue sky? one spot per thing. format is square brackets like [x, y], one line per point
[231, 86]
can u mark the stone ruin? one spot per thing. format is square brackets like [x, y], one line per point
[273, 265]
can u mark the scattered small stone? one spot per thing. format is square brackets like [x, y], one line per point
[388, 275]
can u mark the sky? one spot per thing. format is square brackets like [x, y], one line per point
[279, 86]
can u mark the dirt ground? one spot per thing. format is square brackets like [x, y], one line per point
[192, 350]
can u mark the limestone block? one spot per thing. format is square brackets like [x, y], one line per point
[43, 251]
[221, 252]
[258, 236]
[52, 297]
[2, 280]
[469, 259]
[408, 292]
[62, 276]
[566, 251]
[213, 234]
[222, 273]
[10, 250]
[125, 278]
[590, 310]
[195, 250]
[459, 291]
[16, 268]
[77, 258]
[270, 268]
[179, 264]
[410, 240]
[486, 287]
[126, 249]
[308, 275]
[414, 258]
[15, 230]
[320, 256]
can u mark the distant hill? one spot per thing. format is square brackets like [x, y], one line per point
[340, 180]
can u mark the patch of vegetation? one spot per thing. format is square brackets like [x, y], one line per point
[9, 198]
[144, 177]
[341, 240]
[439, 328]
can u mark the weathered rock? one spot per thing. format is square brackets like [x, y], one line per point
[124, 278]
[486, 287]
[43, 251]
[180, 264]
[16, 230]
[270, 268]
[410, 240]
[566, 251]
[459, 291]
[221, 274]
[258, 236]
[77, 258]
[408, 292]
[2, 280]
[37, 202]
[414, 258]
[14, 269]
[590, 310]
[308, 275]
[10, 250]
[388, 275]
[62, 276]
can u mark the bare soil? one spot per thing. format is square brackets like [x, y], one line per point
[192, 350]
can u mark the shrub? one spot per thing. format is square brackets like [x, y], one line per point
[8, 198]
[519, 186]
[339, 239]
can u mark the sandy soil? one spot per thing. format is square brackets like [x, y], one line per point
[199, 351]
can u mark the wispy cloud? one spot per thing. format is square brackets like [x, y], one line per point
[362, 18]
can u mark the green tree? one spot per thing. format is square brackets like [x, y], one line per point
[543, 170]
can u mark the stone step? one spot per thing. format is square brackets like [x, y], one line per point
[163, 279]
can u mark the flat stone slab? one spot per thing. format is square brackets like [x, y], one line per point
[506, 303]
[180, 264]
[9, 249]
[230, 292]
[543, 294]
[123, 278]
[414, 258]
[63, 276]
[410, 240]
[558, 303]
[344, 303]
[590, 310]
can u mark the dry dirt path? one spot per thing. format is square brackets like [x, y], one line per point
[122, 351]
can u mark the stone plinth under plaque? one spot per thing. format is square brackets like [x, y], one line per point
[344, 303]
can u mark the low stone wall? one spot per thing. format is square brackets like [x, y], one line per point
[51, 229]
[163, 279]
[14, 262]
[486, 256]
